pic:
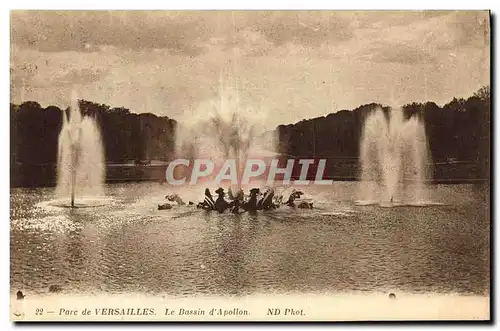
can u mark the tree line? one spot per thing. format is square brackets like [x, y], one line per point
[459, 130]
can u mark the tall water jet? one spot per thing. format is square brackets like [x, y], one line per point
[224, 128]
[80, 163]
[394, 157]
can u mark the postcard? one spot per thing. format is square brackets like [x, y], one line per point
[250, 165]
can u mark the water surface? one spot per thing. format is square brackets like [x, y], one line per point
[126, 245]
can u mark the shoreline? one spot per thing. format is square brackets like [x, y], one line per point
[23, 175]
[451, 181]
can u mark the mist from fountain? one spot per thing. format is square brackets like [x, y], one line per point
[80, 166]
[223, 128]
[395, 162]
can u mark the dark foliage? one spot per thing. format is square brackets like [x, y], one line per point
[460, 130]
[126, 136]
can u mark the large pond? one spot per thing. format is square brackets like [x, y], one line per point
[125, 244]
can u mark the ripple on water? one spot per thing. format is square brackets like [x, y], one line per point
[388, 204]
[82, 202]
[54, 224]
[128, 245]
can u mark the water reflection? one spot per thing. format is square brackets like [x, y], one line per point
[129, 246]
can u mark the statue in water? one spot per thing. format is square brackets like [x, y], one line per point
[237, 203]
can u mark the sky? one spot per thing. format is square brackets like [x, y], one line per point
[288, 65]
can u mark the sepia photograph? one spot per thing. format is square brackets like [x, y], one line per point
[250, 165]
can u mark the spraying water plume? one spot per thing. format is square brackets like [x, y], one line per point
[394, 159]
[80, 166]
[222, 128]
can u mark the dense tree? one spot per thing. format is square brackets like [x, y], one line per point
[460, 130]
[126, 136]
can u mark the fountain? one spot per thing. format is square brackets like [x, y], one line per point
[80, 166]
[394, 159]
[222, 128]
